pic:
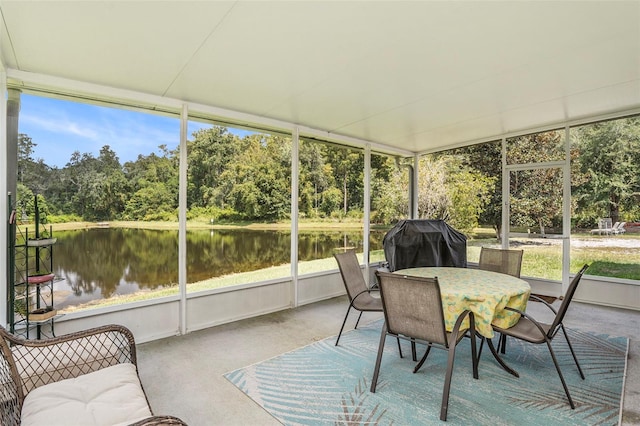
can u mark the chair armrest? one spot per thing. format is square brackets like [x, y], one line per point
[40, 362]
[538, 299]
[456, 328]
[368, 291]
[159, 420]
[11, 396]
[530, 318]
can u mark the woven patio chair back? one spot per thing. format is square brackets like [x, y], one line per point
[413, 307]
[562, 310]
[351, 273]
[501, 260]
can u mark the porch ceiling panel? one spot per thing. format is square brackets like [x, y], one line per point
[134, 45]
[417, 76]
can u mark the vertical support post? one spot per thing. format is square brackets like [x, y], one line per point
[413, 212]
[4, 200]
[12, 115]
[295, 182]
[506, 197]
[566, 210]
[10, 266]
[182, 220]
[367, 211]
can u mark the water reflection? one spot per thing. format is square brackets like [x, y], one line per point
[102, 263]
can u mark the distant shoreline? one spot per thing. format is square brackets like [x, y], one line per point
[158, 225]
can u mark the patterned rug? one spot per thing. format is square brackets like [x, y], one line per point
[324, 384]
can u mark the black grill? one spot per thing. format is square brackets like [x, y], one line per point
[424, 242]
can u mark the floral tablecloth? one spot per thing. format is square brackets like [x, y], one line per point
[484, 293]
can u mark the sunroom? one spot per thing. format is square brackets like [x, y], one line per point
[407, 83]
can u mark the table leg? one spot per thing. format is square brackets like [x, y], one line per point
[500, 361]
[502, 344]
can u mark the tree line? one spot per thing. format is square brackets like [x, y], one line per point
[233, 178]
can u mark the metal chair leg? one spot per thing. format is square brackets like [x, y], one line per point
[452, 353]
[447, 383]
[566, 336]
[414, 354]
[564, 384]
[502, 344]
[343, 323]
[358, 321]
[422, 360]
[399, 347]
[376, 371]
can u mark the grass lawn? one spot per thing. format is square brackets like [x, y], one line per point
[617, 256]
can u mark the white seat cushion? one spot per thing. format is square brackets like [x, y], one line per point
[110, 396]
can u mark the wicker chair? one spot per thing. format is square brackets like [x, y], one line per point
[413, 310]
[28, 365]
[532, 331]
[499, 260]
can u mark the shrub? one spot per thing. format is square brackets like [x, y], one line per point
[64, 218]
[160, 216]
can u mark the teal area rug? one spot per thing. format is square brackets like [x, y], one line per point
[324, 384]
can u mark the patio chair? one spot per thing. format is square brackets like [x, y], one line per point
[359, 294]
[413, 310]
[500, 260]
[604, 227]
[532, 331]
[506, 262]
[618, 228]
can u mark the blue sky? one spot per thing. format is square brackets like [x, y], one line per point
[60, 127]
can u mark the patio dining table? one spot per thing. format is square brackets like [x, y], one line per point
[484, 293]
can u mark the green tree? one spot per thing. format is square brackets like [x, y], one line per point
[26, 209]
[209, 154]
[536, 194]
[154, 201]
[347, 168]
[449, 190]
[313, 179]
[25, 159]
[390, 192]
[433, 199]
[113, 189]
[536, 198]
[24, 203]
[153, 182]
[469, 192]
[486, 159]
[610, 164]
[33, 174]
[258, 180]
[331, 202]
[82, 184]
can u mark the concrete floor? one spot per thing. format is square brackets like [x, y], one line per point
[183, 376]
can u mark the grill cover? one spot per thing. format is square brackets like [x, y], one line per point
[424, 242]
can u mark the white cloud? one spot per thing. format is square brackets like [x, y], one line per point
[58, 125]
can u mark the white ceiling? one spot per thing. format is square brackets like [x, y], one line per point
[412, 75]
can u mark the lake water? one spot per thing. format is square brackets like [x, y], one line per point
[102, 263]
